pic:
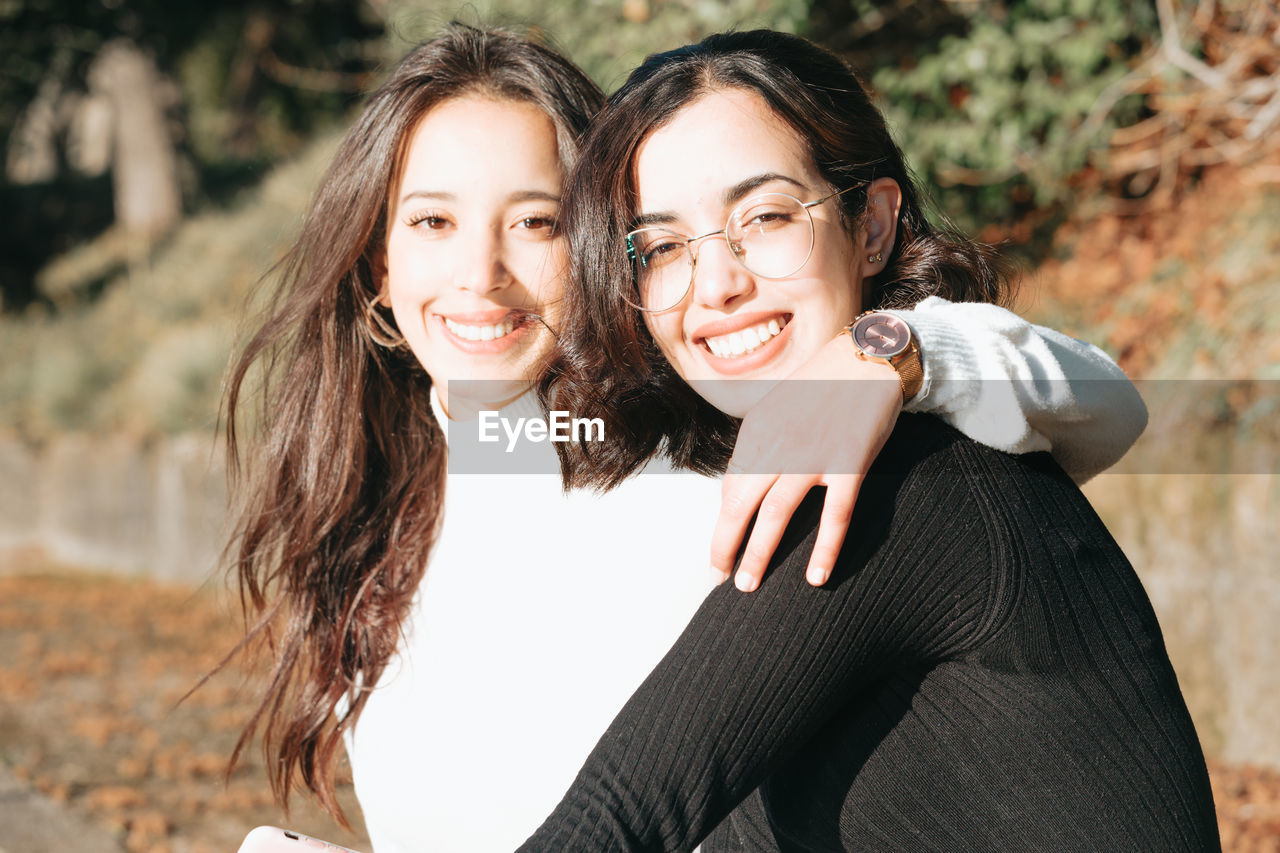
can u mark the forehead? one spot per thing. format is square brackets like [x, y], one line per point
[477, 138]
[723, 137]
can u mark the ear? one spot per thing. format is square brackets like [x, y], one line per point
[879, 225]
[381, 278]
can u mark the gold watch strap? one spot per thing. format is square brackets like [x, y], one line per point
[910, 370]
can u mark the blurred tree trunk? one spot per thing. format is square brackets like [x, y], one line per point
[148, 197]
[244, 83]
[33, 142]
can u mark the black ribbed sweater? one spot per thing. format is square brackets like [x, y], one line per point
[983, 671]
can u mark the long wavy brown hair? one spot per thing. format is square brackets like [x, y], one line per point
[608, 365]
[339, 491]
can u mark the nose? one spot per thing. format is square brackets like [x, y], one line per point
[719, 279]
[482, 268]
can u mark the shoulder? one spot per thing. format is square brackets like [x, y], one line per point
[918, 546]
[923, 461]
[933, 484]
[923, 448]
[974, 487]
[1033, 518]
[913, 501]
[918, 490]
[960, 520]
[931, 488]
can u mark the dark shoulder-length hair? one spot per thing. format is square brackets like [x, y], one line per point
[340, 493]
[608, 364]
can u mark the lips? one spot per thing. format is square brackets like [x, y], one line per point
[480, 332]
[485, 332]
[746, 341]
[742, 344]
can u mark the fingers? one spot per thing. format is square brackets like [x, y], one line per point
[771, 520]
[837, 510]
[740, 496]
[773, 500]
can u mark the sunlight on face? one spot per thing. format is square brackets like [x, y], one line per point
[471, 260]
[721, 149]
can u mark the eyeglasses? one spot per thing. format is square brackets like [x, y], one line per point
[770, 234]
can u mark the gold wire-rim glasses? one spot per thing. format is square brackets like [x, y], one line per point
[636, 300]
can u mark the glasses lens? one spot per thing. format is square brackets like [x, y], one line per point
[661, 267]
[771, 234]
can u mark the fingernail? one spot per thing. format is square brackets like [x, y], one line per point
[744, 582]
[718, 576]
[816, 575]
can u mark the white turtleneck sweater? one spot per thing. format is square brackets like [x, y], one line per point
[493, 702]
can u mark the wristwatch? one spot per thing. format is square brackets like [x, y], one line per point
[886, 337]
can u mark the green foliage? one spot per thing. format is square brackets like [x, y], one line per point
[148, 355]
[999, 114]
[258, 81]
[607, 38]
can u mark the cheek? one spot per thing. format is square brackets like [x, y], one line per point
[665, 329]
[410, 281]
[557, 262]
[549, 288]
[542, 281]
[399, 263]
[836, 286]
[843, 269]
[549, 304]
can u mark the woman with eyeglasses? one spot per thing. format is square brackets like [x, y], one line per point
[471, 636]
[983, 670]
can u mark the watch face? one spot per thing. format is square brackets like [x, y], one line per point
[882, 335]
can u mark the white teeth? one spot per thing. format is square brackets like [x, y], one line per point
[480, 333]
[744, 341]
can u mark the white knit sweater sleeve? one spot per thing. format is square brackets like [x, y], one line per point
[1019, 387]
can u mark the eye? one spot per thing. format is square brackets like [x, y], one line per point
[654, 247]
[765, 218]
[428, 219]
[660, 251]
[537, 222]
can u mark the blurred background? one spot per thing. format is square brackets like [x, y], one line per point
[157, 159]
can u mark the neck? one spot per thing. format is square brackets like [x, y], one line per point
[470, 398]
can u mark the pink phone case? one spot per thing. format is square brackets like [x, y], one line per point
[273, 839]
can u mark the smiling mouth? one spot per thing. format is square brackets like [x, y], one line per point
[480, 332]
[746, 341]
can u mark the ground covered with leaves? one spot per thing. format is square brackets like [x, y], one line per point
[91, 671]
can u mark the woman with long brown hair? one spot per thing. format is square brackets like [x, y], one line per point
[983, 671]
[426, 280]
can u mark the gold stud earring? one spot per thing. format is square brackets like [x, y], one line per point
[875, 259]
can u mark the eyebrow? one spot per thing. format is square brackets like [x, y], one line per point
[731, 196]
[738, 191]
[428, 194]
[515, 197]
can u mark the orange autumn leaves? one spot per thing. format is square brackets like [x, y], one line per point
[91, 673]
